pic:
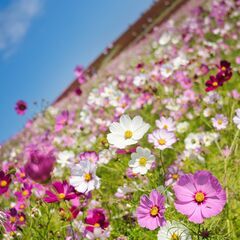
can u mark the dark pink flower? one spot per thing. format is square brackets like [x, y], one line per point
[21, 107]
[96, 218]
[150, 213]
[5, 180]
[199, 196]
[61, 191]
[25, 192]
[213, 83]
[40, 161]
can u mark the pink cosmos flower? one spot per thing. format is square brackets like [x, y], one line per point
[64, 119]
[150, 212]
[21, 107]
[61, 191]
[173, 174]
[25, 192]
[92, 156]
[166, 123]
[162, 139]
[5, 180]
[199, 196]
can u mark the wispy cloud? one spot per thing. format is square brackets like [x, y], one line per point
[15, 20]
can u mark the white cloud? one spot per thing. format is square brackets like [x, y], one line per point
[15, 20]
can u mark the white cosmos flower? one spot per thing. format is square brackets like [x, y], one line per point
[236, 118]
[182, 127]
[167, 70]
[98, 234]
[172, 231]
[141, 160]
[83, 177]
[65, 157]
[127, 131]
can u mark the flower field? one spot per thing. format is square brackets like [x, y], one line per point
[146, 148]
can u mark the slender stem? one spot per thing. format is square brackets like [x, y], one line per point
[162, 162]
[198, 234]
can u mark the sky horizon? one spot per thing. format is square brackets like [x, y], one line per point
[42, 41]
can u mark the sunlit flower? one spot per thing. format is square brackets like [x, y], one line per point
[61, 191]
[199, 196]
[150, 212]
[174, 231]
[142, 160]
[127, 131]
[162, 139]
[83, 177]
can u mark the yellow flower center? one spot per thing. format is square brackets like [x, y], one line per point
[175, 176]
[224, 68]
[25, 193]
[87, 177]
[161, 141]
[3, 183]
[215, 84]
[21, 219]
[128, 134]
[219, 121]
[12, 219]
[142, 161]
[175, 237]
[96, 225]
[61, 195]
[199, 197]
[22, 206]
[165, 127]
[22, 175]
[154, 211]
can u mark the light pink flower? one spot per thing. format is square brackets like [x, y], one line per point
[220, 122]
[199, 196]
[162, 139]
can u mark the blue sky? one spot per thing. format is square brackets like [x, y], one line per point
[41, 42]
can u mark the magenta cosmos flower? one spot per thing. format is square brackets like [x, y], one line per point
[5, 180]
[199, 196]
[150, 212]
[61, 191]
[96, 218]
[40, 161]
[21, 107]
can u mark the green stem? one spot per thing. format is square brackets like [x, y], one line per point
[162, 163]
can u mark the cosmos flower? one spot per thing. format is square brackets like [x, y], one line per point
[162, 139]
[96, 218]
[219, 122]
[25, 192]
[40, 161]
[150, 212]
[225, 71]
[83, 177]
[213, 83]
[65, 157]
[141, 161]
[21, 107]
[172, 175]
[92, 156]
[127, 131]
[174, 231]
[5, 180]
[236, 118]
[199, 196]
[79, 73]
[64, 119]
[61, 191]
[166, 123]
